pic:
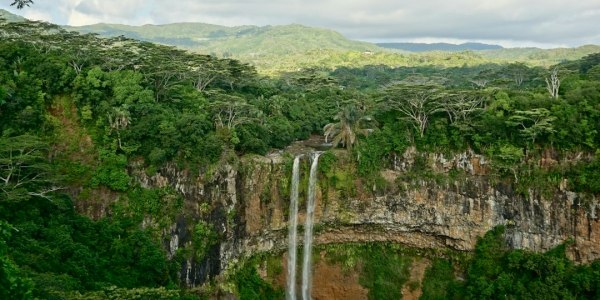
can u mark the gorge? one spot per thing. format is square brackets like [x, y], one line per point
[133, 170]
[437, 213]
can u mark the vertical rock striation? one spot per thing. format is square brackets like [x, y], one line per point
[248, 203]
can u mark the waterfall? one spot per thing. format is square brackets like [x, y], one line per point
[292, 233]
[308, 229]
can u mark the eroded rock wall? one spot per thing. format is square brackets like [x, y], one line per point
[248, 205]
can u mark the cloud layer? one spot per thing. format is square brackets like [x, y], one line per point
[510, 22]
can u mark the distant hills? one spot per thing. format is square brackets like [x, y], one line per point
[275, 49]
[423, 47]
[537, 55]
[239, 41]
[253, 41]
[287, 46]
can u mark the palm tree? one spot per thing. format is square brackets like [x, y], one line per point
[21, 3]
[350, 121]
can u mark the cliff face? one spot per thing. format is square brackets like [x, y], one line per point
[246, 203]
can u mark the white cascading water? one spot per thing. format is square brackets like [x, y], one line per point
[292, 232]
[308, 229]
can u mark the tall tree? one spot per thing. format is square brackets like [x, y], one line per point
[533, 123]
[461, 105]
[415, 103]
[231, 111]
[553, 83]
[349, 122]
[518, 72]
[22, 3]
[24, 169]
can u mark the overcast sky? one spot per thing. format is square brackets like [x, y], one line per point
[512, 23]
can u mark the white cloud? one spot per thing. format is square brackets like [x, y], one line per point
[37, 15]
[85, 12]
[77, 18]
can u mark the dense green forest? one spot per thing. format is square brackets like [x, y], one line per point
[76, 110]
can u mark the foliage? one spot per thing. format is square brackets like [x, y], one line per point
[440, 281]
[327, 162]
[416, 104]
[126, 294]
[532, 123]
[251, 286]
[497, 272]
[24, 171]
[111, 172]
[156, 204]
[383, 268]
[204, 238]
[350, 121]
[21, 3]
[585, 177]
[384, 272]
[373, 154]
[12, 283]
[63, 251]
[337, 173]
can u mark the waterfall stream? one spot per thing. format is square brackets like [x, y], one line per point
[308, 229]
[292, 232]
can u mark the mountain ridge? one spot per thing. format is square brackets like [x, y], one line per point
[239, 41]
[424, 47]
[4, 14]
[282, 48]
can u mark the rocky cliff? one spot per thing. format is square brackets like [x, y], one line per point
[246, 203]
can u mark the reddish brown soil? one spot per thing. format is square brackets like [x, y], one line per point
[412, 290]
[330, 282]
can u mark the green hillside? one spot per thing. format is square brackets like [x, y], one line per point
[537, 56]
[239, 41]
[10, 16]
[279, 49]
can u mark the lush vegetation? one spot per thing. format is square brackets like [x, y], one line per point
[440, 281]
[383, 268]
[78, 113]
[497, 272]
[493, 271]
[250, 286]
